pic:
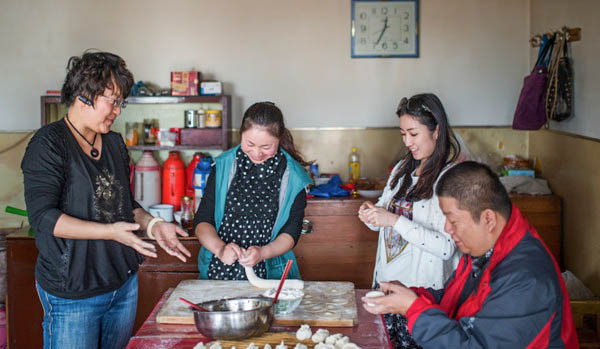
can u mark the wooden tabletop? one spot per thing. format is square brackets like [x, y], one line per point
[369, 333]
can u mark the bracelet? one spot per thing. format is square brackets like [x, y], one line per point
[151, 224]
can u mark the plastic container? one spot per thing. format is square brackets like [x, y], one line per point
[200, 177]
[353, 166]
[173, 183]
[213, 118]
[189, 172]
[147, 180]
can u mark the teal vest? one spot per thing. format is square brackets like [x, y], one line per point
[298, 179]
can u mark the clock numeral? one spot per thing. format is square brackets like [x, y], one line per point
[363, 15]
[363, 41]
[384, 10]
[406, 40]
[363, 28]
[384, 46]
[406, 27]
[394, 45]
[406, 15]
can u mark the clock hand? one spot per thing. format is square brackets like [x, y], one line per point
[385, 26]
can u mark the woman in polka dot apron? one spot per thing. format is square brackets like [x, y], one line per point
[413, 247]
[253, 205]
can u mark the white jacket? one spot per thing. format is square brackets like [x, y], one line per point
[430, 255]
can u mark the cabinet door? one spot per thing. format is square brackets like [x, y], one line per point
[152, 285]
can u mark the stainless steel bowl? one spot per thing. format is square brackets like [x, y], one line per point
[234, 318]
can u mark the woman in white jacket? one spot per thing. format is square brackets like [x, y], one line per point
[413, 247]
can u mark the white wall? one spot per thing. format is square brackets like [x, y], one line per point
[551, 15]
[296, 53]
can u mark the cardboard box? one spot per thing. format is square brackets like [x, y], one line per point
[185, 83]
[211, 88]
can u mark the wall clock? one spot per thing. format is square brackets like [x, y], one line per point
[385, 28]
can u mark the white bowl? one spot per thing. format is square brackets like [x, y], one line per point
[371, 194]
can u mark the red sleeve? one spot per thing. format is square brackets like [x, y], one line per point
[424, 302]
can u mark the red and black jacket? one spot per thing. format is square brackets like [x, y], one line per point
[520, 300]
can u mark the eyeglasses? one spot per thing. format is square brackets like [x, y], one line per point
[116, 102]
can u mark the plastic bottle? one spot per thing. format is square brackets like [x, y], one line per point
[173, 184]
[187, 214]
[353, 166]
[200, 178]
[189, 174]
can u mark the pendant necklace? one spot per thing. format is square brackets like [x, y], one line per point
[94, 152]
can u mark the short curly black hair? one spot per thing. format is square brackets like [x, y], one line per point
[89, 75]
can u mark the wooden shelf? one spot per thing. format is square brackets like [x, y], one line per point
[174, 99]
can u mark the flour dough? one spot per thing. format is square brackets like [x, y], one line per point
[281, 346]
[216, 345]
[338, 301]
[332, 307]
[320, 335]
[303, 332]
[340, 342]
[251, 346]
[374, 294]
[350, 346]
[300, 346]
[333, 338]
[314, 309]
[264, 283]
[267, 346]
[200, 346]
[336, 291]
[324, 346]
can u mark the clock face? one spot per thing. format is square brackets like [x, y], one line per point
[385, 28]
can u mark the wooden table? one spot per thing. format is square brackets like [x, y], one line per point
[369, 333]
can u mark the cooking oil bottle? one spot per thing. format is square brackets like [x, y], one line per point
[353, 166]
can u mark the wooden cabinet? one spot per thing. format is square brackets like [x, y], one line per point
[339, 248]
[215, 138]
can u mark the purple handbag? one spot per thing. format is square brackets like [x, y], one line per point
[530, 113]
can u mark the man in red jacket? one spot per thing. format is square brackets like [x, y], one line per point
[507, 291]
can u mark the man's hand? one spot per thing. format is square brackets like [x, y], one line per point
[251, 256]
[229, 253]
[398, 298]
[123, 232]
[166, 237]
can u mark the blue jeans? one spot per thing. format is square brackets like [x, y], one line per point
[104, 321]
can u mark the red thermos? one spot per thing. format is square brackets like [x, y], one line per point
[173, 185]
[189, 174]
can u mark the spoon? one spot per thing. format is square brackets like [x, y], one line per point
[193, 305]
[288, 265]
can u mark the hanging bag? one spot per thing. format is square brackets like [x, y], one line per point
[530, 113]
[559, 95]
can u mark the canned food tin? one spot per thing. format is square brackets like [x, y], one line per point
[213, 118]
[201, 119]
[190, 119]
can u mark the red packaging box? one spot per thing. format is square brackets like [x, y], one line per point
[185, 83]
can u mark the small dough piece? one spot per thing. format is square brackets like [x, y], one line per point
[251, 346]
[281, 346]
[333, 338]
[216, 345]
[300, 346]
[324, 346]
[264, 283]
[303, 332]
[267, 346]
[350, 346]
[200, 345]
[374, 294]
[320, 335]
[340, 342]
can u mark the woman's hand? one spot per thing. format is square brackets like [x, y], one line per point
[251, 256]
[377, 216]
[229, 253]
[166, 237]
[123, 232]
[363, 209]
[398, 298]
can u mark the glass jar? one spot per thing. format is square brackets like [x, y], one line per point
[187, 214]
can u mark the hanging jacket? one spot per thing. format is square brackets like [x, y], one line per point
[294, 180]
[520, 300]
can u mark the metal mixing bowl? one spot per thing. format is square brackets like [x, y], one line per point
[234, 318]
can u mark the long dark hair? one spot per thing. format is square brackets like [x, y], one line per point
[89, 75]
[428, 110]
[267, 115]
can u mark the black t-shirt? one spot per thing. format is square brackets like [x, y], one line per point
[60, 178]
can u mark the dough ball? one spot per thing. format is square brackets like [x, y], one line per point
[303, 332]
[373, 294]
[251, 346]
[300, 346]
[324, 346]
[350, 346]
[281, 346]
[267, 346]
[320, 335]
[340, 342]
[333, 338]
[216, 345]
[200, 346]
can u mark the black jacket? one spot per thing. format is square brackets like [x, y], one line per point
[60, 178]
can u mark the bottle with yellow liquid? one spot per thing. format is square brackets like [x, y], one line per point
[354, 166]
